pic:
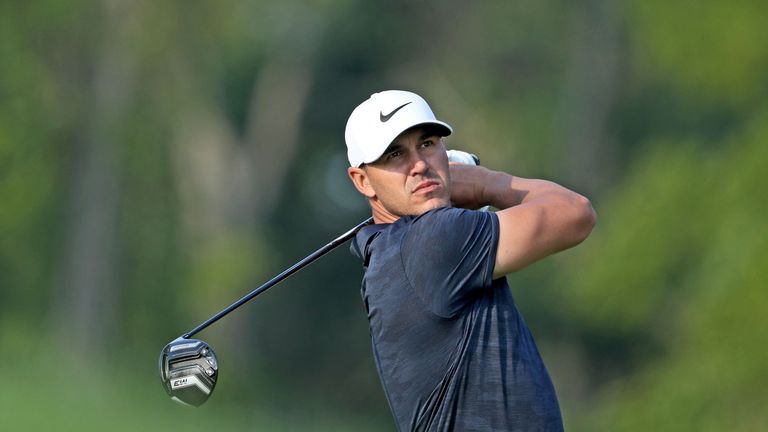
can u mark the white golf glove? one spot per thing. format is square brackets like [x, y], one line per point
[462, 157]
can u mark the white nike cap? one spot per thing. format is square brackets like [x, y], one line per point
[375, 123]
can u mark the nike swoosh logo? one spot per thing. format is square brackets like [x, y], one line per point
[385, 118]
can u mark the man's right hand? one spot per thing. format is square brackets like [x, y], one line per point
[467, 185]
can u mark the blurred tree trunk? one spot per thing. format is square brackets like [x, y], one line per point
[84, 300]
[590, 89]
[229, 183]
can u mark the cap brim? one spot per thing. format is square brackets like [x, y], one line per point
[443, 128]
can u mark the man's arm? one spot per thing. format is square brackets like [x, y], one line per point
[537, 218]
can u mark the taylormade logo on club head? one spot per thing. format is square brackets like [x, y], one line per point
[190, 381]
[179, 383]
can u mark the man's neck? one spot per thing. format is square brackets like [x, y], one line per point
[383, 217]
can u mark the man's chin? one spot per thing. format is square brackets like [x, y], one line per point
[431, 205]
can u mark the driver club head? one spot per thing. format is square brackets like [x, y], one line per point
[188, 369]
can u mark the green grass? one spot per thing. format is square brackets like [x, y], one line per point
[57, 395]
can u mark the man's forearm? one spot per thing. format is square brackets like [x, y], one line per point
[476, 186]
[503, 190]
[537, 218]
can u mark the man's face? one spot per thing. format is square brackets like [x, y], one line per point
[411, 177]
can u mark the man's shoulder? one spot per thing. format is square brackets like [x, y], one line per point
[434, 226]
[361, 242]
[449, 220]
[445, 215]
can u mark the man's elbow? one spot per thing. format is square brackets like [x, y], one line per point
[584, 220]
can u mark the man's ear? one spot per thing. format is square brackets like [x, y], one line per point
[360, 179]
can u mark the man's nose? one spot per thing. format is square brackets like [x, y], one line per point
[419, 164]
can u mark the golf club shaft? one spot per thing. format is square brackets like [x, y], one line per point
[277, 279]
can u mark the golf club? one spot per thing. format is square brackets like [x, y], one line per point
[189, 367]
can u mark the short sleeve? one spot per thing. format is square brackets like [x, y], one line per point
[448, 254]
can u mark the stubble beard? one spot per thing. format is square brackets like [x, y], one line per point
[403, 209]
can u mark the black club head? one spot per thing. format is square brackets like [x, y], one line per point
[188, 369]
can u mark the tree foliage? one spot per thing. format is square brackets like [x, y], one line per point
[160, 159]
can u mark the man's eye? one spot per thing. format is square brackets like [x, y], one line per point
[428, 143]
[394, 154]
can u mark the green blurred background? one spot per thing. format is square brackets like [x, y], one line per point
[158, 159]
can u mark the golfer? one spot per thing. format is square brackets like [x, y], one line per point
[452, 351]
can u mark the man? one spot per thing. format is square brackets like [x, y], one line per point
[451, 349]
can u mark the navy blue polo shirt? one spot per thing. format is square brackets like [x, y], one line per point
[452, 351]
